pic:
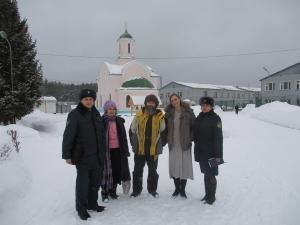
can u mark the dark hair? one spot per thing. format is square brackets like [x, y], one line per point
[182, 103]
[172, 95]
[151, 98]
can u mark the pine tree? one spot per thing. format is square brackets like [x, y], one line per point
[27, 72]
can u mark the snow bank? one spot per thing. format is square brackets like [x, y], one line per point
[14, 174]
[279, 113]
[43, 122]
[248, 108]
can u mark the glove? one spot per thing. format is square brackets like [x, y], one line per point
[213, 162]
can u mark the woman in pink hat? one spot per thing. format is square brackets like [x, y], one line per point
[116, 168]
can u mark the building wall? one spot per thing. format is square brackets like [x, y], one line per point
[48, 106]
[107, 86]
[291, 95]
[124, 55]
[222, 97]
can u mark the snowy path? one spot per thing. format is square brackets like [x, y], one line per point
[259, 185]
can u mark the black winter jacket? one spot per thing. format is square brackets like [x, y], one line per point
[85, 129]
[208, 136]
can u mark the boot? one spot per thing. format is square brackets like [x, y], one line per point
[206, 184]
[113, 192]
[97, 208]
[84, 215]
[177, 187]
[182, 188]
[152, 185]
[137, 185]
[154, 194]
[211, 198]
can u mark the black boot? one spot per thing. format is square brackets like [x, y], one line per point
[97, 208]
[211, 198]
[84, 215]
[152, 185]
[206, 184]
[113, 192]
[182, 188]
[137, 185]
[177, 187]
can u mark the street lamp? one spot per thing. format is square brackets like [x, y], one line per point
[3, 35]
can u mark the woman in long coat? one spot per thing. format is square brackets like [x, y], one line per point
[116, 168]
[179, 119]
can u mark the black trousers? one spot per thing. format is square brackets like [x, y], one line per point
[88, 181]
[139, 164]
[116, 166]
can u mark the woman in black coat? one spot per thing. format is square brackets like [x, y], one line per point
[208, 139]
[116, 168]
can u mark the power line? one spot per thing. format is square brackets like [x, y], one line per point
[176, 57]
[77, 56]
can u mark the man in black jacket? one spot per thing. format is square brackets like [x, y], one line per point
[208, 138]
[84, 146]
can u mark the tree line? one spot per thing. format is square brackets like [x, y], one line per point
[64, 92]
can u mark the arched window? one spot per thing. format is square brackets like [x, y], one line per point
[127, 101]
[128, 48]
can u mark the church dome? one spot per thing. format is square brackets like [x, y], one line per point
[126, 35]
[137, 82]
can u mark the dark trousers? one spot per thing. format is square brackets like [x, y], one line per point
[115, 158]
[87, 183]
[139, 164]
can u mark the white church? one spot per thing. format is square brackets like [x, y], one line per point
[126, 81]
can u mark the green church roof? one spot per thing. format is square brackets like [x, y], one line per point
[126, 35]
[138, 83]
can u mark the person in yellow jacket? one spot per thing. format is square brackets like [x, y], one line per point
[146, 133]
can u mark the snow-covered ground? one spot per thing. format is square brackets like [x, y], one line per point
[259, 185]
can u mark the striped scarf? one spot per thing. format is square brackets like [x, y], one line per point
[107, 178]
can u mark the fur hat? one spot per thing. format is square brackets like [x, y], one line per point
[207, 100]
[109, 104]
[87, 93]
[151, 98]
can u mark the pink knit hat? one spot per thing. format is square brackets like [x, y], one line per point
[109, 104]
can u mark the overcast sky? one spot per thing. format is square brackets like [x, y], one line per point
[167, 28]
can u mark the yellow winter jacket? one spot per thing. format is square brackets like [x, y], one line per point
[138, 127]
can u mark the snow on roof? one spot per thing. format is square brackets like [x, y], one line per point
[228, 87]
[195, 85]
[113, 68]
[149, 68]
[154, 74]
[133, 78]
[136, 88]
[48, 98]
[213, 86]
[251, 89]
